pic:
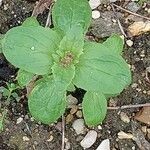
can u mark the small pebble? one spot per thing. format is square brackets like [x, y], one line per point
[132, 6]
[105, 145]
[124, 117]
[71, 101]
[50, 139]
[129, 43]
[89, 139]
[0, 2]
[134, 85]
[123, 135]
[19, 120]
[79, 114]
[69, 118]
[94, 3]
[112, 1]
[25, 138]
[78, 126]
[74, 109]
[148, 69]
[144, 129]
[95, 14]
[67, 146]
[99, 127]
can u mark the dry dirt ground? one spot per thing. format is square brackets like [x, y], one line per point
[30, 135]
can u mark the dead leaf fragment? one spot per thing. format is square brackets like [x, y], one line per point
[138, 28]
[143, 115]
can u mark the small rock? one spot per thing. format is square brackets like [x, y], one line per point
[124, 117]
[134, 85]
[94, 3]
[69, 118]
[0, 2]
[67, 146]
[105, 145]
[148, 69]
[71, 101]
[79, 114]
[99, 127]
[112, 1]
[123, 135]
[50, 139]
[138, 28]
[79, 126]
[74, 109]
[25, 138]
[19, 120]
[132, 6]
[129, 43]
[144, 129]
[95, 14]
[89, 139]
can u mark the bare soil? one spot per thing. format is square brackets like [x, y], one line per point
[13, 13]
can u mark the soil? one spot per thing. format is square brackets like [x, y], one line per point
[43, 137]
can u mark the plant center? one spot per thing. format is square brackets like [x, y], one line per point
[67, 59]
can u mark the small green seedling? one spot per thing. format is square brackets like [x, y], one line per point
[63, 58]
[7, 92]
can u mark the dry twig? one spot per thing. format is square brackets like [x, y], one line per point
[41, 6]
[130, 12]
[63, 133]
[129, 106]
[118, 21]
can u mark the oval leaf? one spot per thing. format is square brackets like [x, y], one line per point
[94, 107]
[24, 77]
[30, 48]
[114, 43]
[47, 101]
[67, 13]
[99, 69]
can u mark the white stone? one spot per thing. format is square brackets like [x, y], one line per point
[129, 43]
[112, 1]
[94, 3]
[25, 138]
[0, 2]
[71, 101]
[124, 117]
[105, 145]
[89, 139]
[19, 120]
[79, 126]
[95, 14]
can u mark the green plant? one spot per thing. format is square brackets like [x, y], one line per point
[63, 59]
[7, 92]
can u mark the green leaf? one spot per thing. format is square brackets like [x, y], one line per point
[1, 38]
[94, 107]
[99, 69]
[47, 101]
[31, 21]
[30, 48]
[24, 77]
[66, 13]
[71, 87]
[63, 74]
[114, 43]
[72, 42]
